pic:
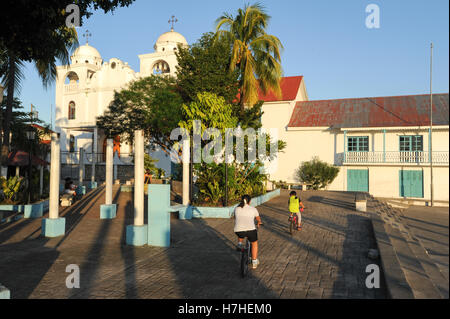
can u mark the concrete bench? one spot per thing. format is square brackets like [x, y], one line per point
[361, 202]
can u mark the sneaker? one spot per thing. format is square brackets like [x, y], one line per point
[255, 263]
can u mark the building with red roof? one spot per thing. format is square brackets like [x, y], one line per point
[382, 145]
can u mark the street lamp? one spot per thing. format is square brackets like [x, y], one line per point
[30, 136]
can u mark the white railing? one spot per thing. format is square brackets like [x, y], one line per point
[71, 87]
[395, 157]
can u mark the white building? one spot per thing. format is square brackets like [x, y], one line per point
[381, 145]
[86, 87]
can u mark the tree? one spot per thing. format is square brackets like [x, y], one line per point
[152, 104]
[255, 53]
[203, 67]
[317, 173]
[25, 26]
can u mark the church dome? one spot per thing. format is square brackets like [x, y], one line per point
[87, 50]
[169, 41]
[86, 53]
[171, 36]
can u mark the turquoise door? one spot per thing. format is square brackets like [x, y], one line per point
[411, 183]
[358, 180]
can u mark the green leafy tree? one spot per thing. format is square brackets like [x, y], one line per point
[256, 54]
[203, 67]
[317, 173]
[152, 104]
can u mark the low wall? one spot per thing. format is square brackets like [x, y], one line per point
[220, 212]
[30, 211]
[4, 292]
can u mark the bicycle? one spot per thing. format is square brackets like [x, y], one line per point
[246, 257]
[294, 223]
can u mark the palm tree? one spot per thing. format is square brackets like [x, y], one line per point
[11, 73]
[254, 52]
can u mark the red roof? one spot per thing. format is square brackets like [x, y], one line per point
[20, 158]
[289, 89]
[410, 110]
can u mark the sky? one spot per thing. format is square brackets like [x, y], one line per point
[326, 41]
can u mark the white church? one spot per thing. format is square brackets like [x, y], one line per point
[382, 145]
[85, 88]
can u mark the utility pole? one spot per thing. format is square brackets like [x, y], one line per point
[431, 126]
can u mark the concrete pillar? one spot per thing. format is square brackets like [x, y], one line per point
[4, 171]
[94, 158]
[54, 226]
[139, 152]
[108, 211]
[109, 171]
[186, 160]
[81, 166]
[137, 234]
[81, 189]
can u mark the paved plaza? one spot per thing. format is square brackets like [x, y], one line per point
[327, 259]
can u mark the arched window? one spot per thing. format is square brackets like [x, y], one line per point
[72, 110]
[72, 78]
[161, 67]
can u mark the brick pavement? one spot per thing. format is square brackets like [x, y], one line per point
[326, 260]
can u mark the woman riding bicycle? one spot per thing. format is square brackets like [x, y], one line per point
[244, 226]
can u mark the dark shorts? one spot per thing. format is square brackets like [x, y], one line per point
[252, 235]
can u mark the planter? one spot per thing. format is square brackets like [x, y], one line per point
[35, 210]
[190, 212]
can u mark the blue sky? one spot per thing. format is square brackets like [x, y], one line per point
[325, 41]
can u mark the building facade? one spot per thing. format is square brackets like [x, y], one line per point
[85, 88]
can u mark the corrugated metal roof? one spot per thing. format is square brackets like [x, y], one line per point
[410, 110]
[21, 158]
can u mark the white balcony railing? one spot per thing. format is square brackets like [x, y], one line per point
[395, 157]
[71, 87]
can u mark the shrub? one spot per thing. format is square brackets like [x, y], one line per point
[11, 188]
[317, 173]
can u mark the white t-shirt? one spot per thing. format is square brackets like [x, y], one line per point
[245, 218]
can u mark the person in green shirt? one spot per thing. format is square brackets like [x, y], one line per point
[294, 208]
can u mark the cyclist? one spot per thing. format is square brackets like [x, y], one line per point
[294, 208]
[244, 226]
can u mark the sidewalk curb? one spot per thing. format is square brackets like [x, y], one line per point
[397, 285]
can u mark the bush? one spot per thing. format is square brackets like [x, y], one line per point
[11, 188]
[317, 173]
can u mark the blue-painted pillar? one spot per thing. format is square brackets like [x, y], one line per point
[159, 215]
[384, 146]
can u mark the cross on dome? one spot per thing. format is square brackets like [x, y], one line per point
[172, 21]
[87, 35]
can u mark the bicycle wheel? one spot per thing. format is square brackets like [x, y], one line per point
[244, 262]
[291, 225]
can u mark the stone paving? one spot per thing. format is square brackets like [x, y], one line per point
[327, 259]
